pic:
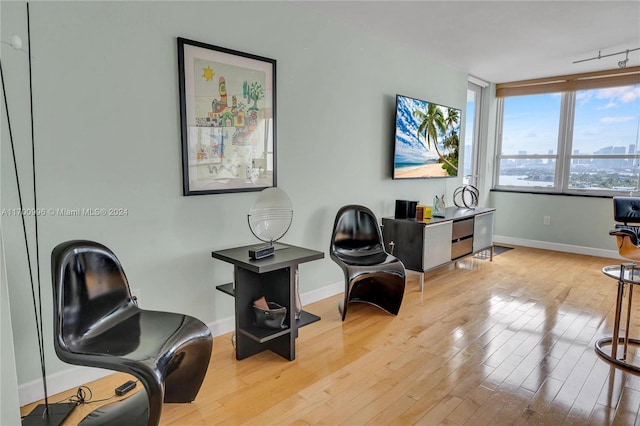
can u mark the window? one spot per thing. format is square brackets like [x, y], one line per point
[472, 133]
[579, 142]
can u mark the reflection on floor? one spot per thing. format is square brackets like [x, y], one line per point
[487, 343]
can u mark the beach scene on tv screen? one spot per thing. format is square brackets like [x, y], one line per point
[427, 139]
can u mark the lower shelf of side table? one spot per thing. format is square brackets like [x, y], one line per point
[262, 335]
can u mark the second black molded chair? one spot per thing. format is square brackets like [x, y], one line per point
[98, 324]
[371, 274]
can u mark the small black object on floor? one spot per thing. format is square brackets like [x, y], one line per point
[485, 254]
[55, 415]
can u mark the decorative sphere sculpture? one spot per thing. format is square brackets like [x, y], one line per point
[271, 214]
[466, 196]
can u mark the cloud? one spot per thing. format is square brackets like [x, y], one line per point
[583, 97]
[608, 120]
[623, 94]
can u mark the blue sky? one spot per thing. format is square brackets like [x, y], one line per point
[604, 117]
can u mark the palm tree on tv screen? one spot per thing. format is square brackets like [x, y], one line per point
[432, 123]
[452, 140]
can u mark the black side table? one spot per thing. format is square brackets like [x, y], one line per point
[274, 278]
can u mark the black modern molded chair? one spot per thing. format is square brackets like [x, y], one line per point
[371, 274]
[97, 323]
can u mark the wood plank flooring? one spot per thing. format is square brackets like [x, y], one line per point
[501, 343]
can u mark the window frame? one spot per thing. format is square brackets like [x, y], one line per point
[564, 156]
[476, 142]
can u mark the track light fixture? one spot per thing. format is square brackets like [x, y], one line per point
[621, 64]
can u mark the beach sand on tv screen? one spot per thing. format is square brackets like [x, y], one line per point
[428, 170]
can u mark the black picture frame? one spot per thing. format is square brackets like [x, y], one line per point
[228, 119]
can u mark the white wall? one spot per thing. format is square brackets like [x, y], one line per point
[107, 134]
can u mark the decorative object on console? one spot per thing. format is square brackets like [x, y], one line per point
[466, 196]
[423, 213]
[405, 209]
[427, 139]
[438, 206]
[269, 219]
[227, 109]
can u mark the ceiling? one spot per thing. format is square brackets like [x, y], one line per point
[500, 41]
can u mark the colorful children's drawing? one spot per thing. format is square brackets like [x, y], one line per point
[228, 119]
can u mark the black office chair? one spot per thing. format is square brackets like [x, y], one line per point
[98, 324]
[627, 210]
[371, 274]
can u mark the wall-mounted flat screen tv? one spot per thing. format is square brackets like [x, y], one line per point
[427, 139]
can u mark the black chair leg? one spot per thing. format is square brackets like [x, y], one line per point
[186, 376]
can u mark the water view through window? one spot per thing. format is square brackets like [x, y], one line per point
[592, 134]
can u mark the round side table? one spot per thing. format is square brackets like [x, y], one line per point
[628, 273]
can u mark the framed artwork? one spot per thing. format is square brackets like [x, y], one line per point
[228, 115]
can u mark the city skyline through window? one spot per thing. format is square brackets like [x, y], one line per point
[585, 141]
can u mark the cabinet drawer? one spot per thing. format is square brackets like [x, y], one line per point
[461, 248]
[462, 228]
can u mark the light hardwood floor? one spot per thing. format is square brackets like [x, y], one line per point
[503, 342]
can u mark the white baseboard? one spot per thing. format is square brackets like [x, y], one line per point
[76, 376]
[59, 382]
[568, 248]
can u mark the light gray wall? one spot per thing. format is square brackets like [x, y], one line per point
[107, 134]
[576, 221]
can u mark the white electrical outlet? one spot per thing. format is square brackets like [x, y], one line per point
[546, 220]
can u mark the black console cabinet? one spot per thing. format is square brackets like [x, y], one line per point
[274, 278]
[424, 245]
